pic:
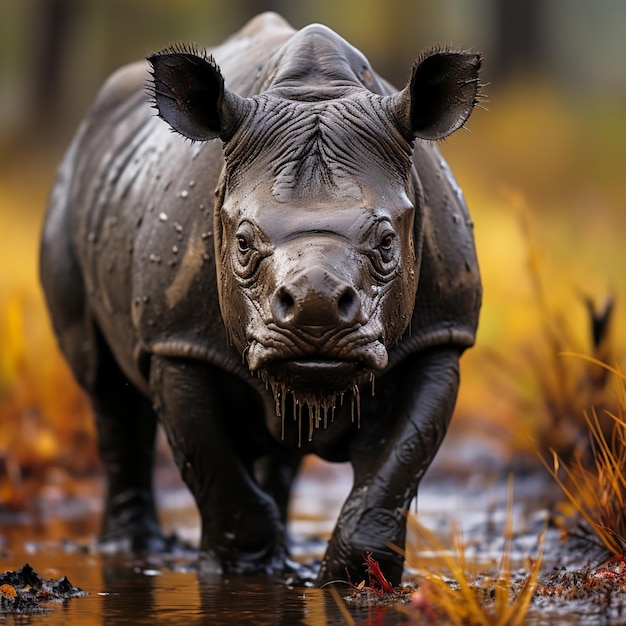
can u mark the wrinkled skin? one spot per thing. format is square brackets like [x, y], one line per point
[252, 293]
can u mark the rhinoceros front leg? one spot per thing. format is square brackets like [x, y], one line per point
[241, 527]
[389, 455]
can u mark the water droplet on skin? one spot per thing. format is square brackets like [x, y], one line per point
[163, 217]
[175, 249]
[184, 194]
[192, 183]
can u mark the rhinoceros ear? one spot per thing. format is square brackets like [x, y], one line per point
[441, 93]
[188, 92]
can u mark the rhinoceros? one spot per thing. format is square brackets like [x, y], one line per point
[306, 285]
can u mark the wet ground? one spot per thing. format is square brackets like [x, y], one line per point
[57, 539]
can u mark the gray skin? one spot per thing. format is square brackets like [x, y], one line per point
[306, 285]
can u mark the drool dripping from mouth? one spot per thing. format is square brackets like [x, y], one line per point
[319, 407]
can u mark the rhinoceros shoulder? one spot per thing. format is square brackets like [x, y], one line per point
[449, 294]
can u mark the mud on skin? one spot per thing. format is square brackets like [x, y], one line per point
[323, 249]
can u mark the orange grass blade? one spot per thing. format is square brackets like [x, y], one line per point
[613, 370]
[462, 606]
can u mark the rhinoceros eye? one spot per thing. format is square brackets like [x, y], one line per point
[243, 244]
[386, 241]
[244, 238]
[249, 249]
[384, 251]
[385, 247]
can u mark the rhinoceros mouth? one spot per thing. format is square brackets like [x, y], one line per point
[292, 370]
[317, 375]
[275, 349]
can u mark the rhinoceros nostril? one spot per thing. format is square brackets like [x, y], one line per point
[301, 305]
[283, 306]
[348, 305]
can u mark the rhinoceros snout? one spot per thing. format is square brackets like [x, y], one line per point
[315, 297]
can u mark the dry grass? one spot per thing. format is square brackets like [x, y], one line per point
[454, 588]
[595, 485]
[46, 430]
[546, 393]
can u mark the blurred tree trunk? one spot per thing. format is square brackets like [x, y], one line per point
[520, 37]
[53, 34]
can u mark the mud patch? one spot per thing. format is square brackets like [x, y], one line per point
[24, 592]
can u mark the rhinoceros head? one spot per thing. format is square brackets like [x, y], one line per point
[318, 226]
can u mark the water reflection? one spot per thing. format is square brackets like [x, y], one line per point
[125, 591]
[251, 600]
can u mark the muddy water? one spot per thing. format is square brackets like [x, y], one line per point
[58, 541]
[124, 593]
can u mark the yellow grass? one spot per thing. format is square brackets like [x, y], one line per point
[536, 394]
[595, 484]
[456, 589]
[44, 418]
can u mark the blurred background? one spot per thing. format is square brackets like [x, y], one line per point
[542, 170]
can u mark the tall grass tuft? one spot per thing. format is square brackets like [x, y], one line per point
[453, 588]
[596, 486]
[551, 392]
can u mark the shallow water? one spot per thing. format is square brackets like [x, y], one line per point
[58, 541]
[124, 593]
[166, 590]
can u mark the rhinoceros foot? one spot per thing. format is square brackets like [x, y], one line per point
[130, 525]
[277, 566]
